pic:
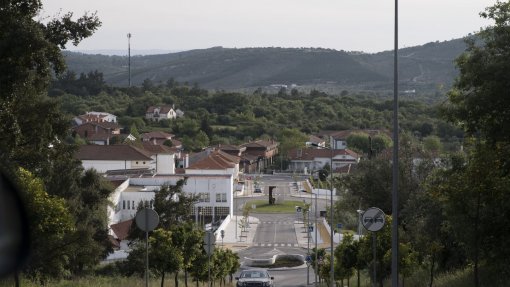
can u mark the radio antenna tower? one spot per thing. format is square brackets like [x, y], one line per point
[129, 59]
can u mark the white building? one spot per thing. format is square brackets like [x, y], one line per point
[307, 160]
[124, 158]
[157, 113]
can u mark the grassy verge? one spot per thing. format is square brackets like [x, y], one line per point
[263, 206]
[108, 281]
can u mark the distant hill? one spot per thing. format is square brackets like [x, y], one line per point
[422, 67]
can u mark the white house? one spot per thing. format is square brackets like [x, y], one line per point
[98, 117]
[157, 113]
[126, 158]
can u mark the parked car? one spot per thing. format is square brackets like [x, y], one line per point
[254, 278]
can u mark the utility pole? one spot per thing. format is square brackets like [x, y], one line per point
[129, 59]
[394, 190]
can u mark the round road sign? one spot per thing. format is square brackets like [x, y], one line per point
[373, 219]
[147, 219]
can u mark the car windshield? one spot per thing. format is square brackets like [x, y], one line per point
[254, 274]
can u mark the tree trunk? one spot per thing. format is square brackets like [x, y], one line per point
[432, 264]
[16, 279]
[186, 277]
[163, 279]
[357, 271]
[403, 278]
[176, 279]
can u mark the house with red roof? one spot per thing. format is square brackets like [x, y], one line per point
[97, 132]
[97, 117]
[127, 159]
[263, 151]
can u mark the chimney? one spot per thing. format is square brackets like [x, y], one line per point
[186, 160]
[154, 141]
[299, 153]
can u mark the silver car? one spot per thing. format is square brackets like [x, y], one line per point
[254, 278]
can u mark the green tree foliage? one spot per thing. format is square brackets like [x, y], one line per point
[289, 139]
[165, 256]
[173, 205]
[358, 142]
[346, 256]
[31, 53]
[479, 100]
[188, 239]
[432, 144]
[50, 224]
[475, 190]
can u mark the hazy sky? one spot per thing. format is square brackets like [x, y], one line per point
[351, 25]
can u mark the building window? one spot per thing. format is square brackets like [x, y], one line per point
[204, 197]
[221, 197]
[133, 206]
[144, 162]
[129, 205]
[136, 162]
[123, 204]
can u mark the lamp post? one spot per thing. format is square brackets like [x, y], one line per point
[394, 191]
[315, 230]
[332, 269]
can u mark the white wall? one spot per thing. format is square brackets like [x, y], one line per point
[114, 198]
[197, 184]
[165, 163]
[128, 210]
[103, 165]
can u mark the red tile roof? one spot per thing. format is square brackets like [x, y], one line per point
[261, 143]
[216, 160]
[121, 229]
[111, 152]
[157, 149]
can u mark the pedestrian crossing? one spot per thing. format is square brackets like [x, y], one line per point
[276, 244]
[277, 222]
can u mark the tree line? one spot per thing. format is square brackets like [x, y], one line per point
[453, 207]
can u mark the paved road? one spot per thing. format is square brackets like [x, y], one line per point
[276, 235]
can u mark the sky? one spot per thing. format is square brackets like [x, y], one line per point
[350, 25]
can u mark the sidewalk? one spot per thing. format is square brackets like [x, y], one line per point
[236, 239]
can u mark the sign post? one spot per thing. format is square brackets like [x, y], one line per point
[147, 219]
[209, 242]
[373, 219]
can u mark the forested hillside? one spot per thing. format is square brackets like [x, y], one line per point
[425, 68]
[230, 117]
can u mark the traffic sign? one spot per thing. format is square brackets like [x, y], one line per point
[308, 258]
[310, 228]
[209, 242]
[339, 225]
[373, 219]
[147, 219]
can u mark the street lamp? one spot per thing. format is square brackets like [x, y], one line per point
[332, 270]
[315, 230]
